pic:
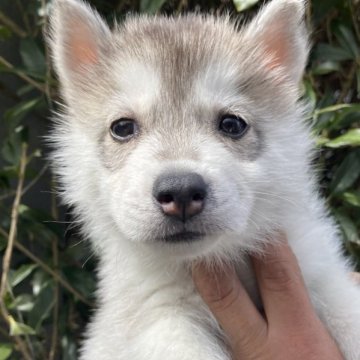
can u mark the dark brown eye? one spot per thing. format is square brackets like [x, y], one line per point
[123, 129]
[233, 126]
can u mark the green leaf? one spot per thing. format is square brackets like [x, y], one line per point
[39, 223]
[242, 5]
[347, 226]
[329, 117]
[321, 141]
[309, 94]
[347, 173]
[321, 9]
[69, 350]
[325, 67]
[336, 117]
[23, 302]
[151, 6]
[358, 82]
[346, 117]
[16, 277]
[44, 302]
[23, 90]
[5, 351]
[3, 243]
[18, 112]
[326, 52]
[331, 108]
[352, 198]
[39, 281]
[350, 138]
[11, 149]
[7, 174]
[32, 57]
[347, 40]
[5, 33]
[80, 280]
[17, 328]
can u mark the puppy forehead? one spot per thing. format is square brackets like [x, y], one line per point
[169, 59]
[146, 83]
[217, 82]
[139, 83]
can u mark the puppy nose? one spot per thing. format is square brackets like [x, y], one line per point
[180, 195]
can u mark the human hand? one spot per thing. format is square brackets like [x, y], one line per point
[290, 328]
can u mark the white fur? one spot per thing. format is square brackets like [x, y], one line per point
[147, 305]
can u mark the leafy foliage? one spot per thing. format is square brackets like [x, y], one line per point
[47, 290]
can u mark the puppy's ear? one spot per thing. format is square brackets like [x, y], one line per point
[78, 39]
[281, 39]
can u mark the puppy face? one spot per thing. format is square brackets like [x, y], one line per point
[180, 132]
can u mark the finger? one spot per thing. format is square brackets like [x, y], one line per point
[227, 299]
[355, 276]
[281, 286]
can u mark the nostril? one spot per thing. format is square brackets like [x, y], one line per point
[165, 198]
[200, 196]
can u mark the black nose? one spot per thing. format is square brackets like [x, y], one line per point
[180, 195]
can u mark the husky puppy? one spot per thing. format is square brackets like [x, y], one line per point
[183, 139]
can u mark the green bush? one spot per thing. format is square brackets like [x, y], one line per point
[47, 277]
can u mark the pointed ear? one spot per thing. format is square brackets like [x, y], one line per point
[279, 34]
[78, 38]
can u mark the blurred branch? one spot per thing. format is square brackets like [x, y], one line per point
[28, 186]
[9, 250]
[47, 59]
[4, 333]
[348, 83]
[54, 335]
[21, 318]
[333, 14]
[24, 14]
[22, 75]
[50, 271]
[11, 25]
[354, 10]
[120, 5]
[181, 6]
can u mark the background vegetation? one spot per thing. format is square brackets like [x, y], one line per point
[47, 280]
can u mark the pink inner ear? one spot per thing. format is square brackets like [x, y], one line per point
[277, 48]
[83, 49]
[278, 54]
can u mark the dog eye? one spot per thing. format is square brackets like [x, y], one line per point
[233, 126]
[123, 129]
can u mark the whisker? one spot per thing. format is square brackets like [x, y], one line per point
[87, 260]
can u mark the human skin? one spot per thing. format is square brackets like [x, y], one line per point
[289, 328]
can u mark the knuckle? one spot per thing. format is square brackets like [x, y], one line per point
[279, 276]
[224, 300]
[252, 344]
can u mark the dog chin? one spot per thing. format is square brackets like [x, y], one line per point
[186, 246]
[182, 237]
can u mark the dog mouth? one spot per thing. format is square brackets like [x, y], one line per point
[181, 237]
